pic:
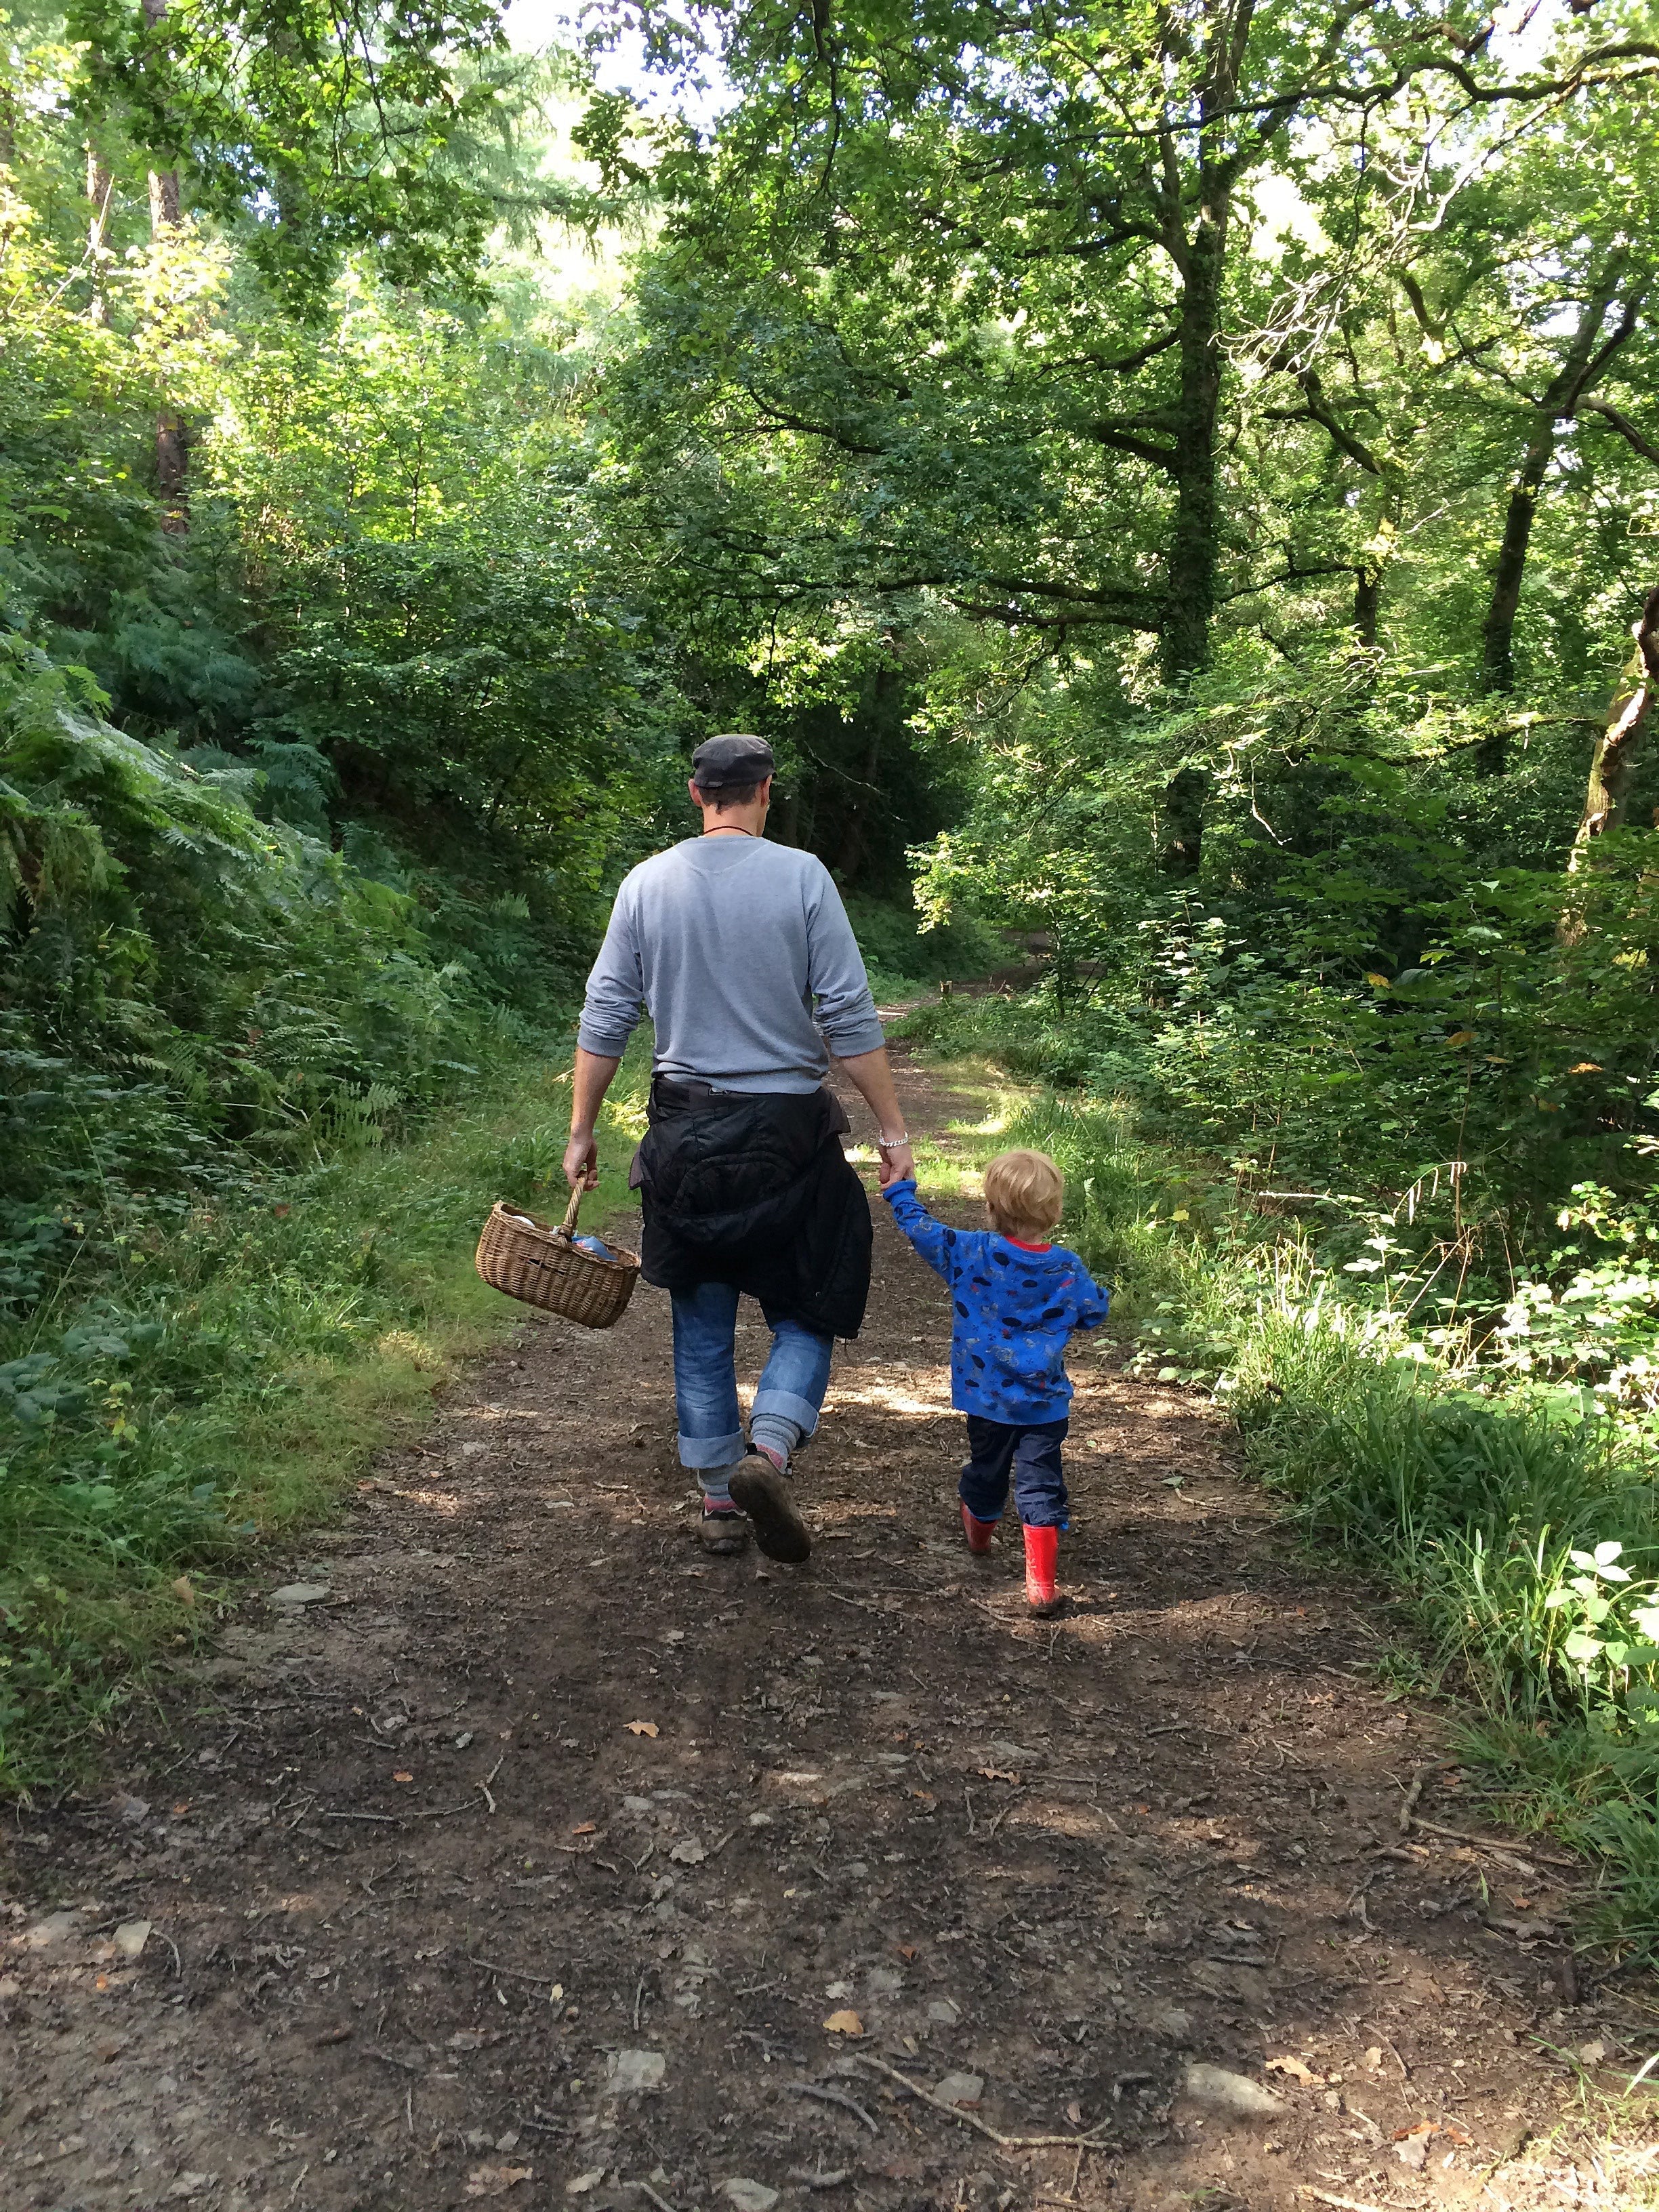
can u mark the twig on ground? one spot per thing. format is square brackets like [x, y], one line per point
[488, 1778]
[1414, 1791]
[639, 2000]
[1503, 1847]
[512, 1973]
[832, 2179]
[825, 2096]
[983, 2127]
[646, 2190]
[1324, 2197]
[842, 1599]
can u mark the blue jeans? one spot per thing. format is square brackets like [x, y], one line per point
[1028, 1452]
[787, 1402]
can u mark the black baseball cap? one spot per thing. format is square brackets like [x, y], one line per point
[719, 762]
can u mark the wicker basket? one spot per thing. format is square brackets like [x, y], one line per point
[545, 1268]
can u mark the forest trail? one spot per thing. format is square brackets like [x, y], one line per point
[530, 1858]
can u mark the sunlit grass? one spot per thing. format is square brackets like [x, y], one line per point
[295, 1336]
[1477, 1510]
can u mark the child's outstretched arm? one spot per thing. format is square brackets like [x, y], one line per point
[937, 1244]
[1092, 1302]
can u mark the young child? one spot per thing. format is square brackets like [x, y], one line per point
[1016, 1300]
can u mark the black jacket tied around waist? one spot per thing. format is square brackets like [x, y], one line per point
[752, 1189]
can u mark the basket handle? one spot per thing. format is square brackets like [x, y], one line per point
[571, 1211]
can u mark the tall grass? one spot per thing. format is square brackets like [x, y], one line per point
[1520, 1542]
[232, 1385]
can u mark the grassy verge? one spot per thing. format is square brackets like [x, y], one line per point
[1520, 1543]
[231, 1382]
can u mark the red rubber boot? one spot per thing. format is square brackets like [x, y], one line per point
[978, 1533]
[1042, 1564]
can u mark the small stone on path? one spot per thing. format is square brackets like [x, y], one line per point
[632, 2071]
[1230, 2092]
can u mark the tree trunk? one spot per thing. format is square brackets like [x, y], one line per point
[1367, 604]
[1584, 362]
[1193, 548]
[1183, 821]
[1368, 576]
[100, 185]
[164, 204]
[171, 438]
[1200, 254]
[1612, 764]
[1184, 647]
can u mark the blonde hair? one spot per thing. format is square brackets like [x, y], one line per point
[1024, 1193]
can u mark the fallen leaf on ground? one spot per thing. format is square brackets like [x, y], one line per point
[909, 1951]
[750, 2195]
[642, 1728]
[689, 1853]
[131, 1936]
[1296, 2069]
[997, 1774]
[495, 2180]
[402, 1775]
[1412, 2145]
[844, 2023]
[585, 1828]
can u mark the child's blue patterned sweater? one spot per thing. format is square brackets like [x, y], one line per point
[1014, 1310]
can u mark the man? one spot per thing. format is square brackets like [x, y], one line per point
[741, 953]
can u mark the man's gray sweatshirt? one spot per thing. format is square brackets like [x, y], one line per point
[726, 942]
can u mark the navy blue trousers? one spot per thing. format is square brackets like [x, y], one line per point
[1028, 1454]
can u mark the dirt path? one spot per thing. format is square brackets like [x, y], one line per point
[530, 1859]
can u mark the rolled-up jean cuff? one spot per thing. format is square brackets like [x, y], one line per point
[711, 1451]
[786, 1406]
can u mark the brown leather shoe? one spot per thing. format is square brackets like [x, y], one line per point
[768, 1498]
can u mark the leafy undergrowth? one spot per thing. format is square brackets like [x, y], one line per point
[1520, 1539]
[234, 1386]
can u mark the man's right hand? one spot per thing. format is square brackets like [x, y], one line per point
[581, 1161]
[898, 1165]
